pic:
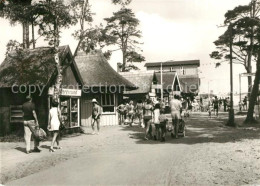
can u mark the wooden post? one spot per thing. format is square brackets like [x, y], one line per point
[161, 84]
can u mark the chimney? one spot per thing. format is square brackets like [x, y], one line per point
[119, 67]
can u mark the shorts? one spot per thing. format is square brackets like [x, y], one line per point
[176, 115]
[94, 117]
[147, 118]
[163, 126]
[139, 114]
[157, 126]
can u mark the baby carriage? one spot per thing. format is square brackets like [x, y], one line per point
[181, 131]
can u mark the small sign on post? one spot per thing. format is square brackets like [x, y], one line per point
[66, 92]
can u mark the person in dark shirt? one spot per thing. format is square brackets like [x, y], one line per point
[30, 118]
[216, 105]
[245, 103]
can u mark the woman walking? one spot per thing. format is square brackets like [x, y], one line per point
[148, 116]
[54, 124]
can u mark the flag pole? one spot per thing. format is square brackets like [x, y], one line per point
[161, 84]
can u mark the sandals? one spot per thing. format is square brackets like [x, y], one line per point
[51, 150]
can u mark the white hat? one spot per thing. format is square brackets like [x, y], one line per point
[94, 100]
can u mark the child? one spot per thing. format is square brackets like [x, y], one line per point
[163, 122]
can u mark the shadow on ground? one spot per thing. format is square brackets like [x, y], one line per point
[22, 149]
[201, 129]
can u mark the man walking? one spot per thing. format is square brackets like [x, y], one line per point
[225, 104]
[176, 106]
[96, 114]
[30, 118]
[139, 112]
[245, 103]
[121, 109]
[216, 105]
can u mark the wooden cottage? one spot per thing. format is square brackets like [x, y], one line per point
[149, 84]
[33, 72]
[144, 80]
[189, 85]
[171, 84]
[102, 82]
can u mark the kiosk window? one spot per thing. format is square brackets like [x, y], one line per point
[108, 102]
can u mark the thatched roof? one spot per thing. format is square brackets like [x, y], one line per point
[142, 79]
[189, 84]
[30, 67]
[96, 71]
[168, 78]
[173, 63]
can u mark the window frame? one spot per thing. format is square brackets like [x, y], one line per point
[182, 70]
[108, 105]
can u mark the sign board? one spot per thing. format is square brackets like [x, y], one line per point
[151, 94]
[176, 93]
[247, 74]
[66, 92]
[157, 86]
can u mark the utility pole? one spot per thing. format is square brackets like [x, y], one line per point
[231, 120]
[240, 99]
[161, 84]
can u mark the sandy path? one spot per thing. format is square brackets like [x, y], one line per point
[211, 154]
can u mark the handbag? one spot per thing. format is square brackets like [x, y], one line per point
[38, 133]
[62, 126]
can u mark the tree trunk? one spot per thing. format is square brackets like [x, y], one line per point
[249, 66]
[253, 96]
[249, 80]
[24, 36]
[33, 39]
[124, 62]
[251, 48]
[77, 48]
[57, 86]
[27, 35]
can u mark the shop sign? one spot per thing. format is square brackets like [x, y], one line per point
[66, 92]
[157, 86]
[247, 74]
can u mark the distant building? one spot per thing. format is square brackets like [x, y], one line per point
[187, 71]
[149, 85]
[144, 80]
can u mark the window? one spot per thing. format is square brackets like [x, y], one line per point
[182, 71]
[108, 102]
[172, 69]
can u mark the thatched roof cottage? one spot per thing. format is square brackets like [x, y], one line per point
[102, 82]
[34, 71]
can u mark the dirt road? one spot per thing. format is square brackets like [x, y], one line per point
[210, 154]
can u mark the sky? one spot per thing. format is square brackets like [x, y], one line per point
[171, 30]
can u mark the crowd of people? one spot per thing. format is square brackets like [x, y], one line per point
[151, 115]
